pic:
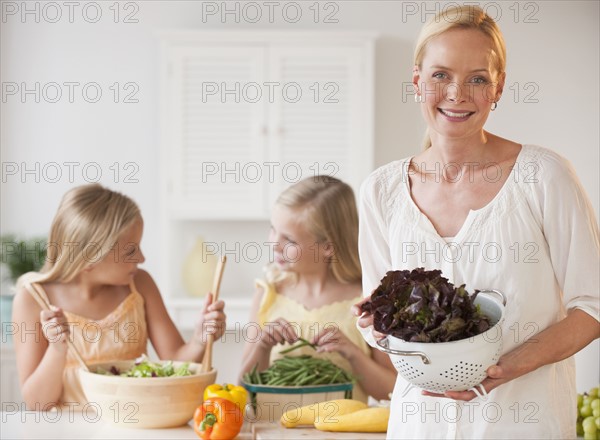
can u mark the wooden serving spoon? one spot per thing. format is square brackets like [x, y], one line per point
[41, 300]
[207, 359]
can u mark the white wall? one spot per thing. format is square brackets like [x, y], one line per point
[553, 53]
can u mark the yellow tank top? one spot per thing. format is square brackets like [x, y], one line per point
[121, 335]
[308, 323]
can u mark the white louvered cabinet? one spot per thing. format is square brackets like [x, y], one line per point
[214, 135]
[235, 132]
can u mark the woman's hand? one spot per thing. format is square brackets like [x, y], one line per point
[333, 339]
[55, 328]
[504, 371]
[365, 319]
[213, 319]
[279, 331]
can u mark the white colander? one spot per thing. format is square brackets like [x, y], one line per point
[451, 366]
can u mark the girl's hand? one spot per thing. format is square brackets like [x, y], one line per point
[333, 339]
[213, 319]
[55, 328]
[279, 331]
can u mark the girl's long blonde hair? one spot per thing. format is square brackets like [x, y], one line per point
[327, 208]
[461, 17]
[87, 225]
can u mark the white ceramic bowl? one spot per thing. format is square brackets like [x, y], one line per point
[147, 402]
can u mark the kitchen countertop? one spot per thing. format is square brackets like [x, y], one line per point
[75, 425]
[266, 431]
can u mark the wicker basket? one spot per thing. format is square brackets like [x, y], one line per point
[268, 403]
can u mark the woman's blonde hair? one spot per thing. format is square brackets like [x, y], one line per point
[89, 221]
[461, 17]
[327, 208]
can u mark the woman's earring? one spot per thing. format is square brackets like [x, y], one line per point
[418, 98]
[494, 105]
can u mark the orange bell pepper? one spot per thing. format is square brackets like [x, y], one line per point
[218, 419]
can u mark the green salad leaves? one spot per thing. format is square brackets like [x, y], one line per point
[422, 306]
[144, 368]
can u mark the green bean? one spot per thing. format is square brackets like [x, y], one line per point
[298, 371]
[308, 380]
[303, 343]
[257, 376]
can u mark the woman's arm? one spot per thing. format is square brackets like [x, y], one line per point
[553, 344]
[40, 363]
[163, 334]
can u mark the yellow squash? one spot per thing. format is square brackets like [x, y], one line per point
[329, 410]
[364, 420]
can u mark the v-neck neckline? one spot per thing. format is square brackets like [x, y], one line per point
[110, 316]
[323, 306]
[107, 319]
[472, 214]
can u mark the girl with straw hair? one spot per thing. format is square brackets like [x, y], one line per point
[99, 299]
[312, 283]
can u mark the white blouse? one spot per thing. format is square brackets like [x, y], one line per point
[536, 241]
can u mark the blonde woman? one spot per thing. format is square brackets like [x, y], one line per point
[490, 213]
[311, 285]
[100, 300]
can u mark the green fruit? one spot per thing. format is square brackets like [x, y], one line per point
[595, 404]
[579, 400]
[589, 425]
[597, 421]
[579, 429]
[585, 411]
[593, 392]
[596, 412]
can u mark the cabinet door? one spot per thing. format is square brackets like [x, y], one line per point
[217, 130]
[325, 130]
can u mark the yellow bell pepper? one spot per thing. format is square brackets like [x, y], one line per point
[234, 393]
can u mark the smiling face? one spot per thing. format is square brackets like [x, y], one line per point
[295, 248]
[120, 264]
[457, 83]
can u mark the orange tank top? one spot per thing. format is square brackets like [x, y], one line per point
[121, 335]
